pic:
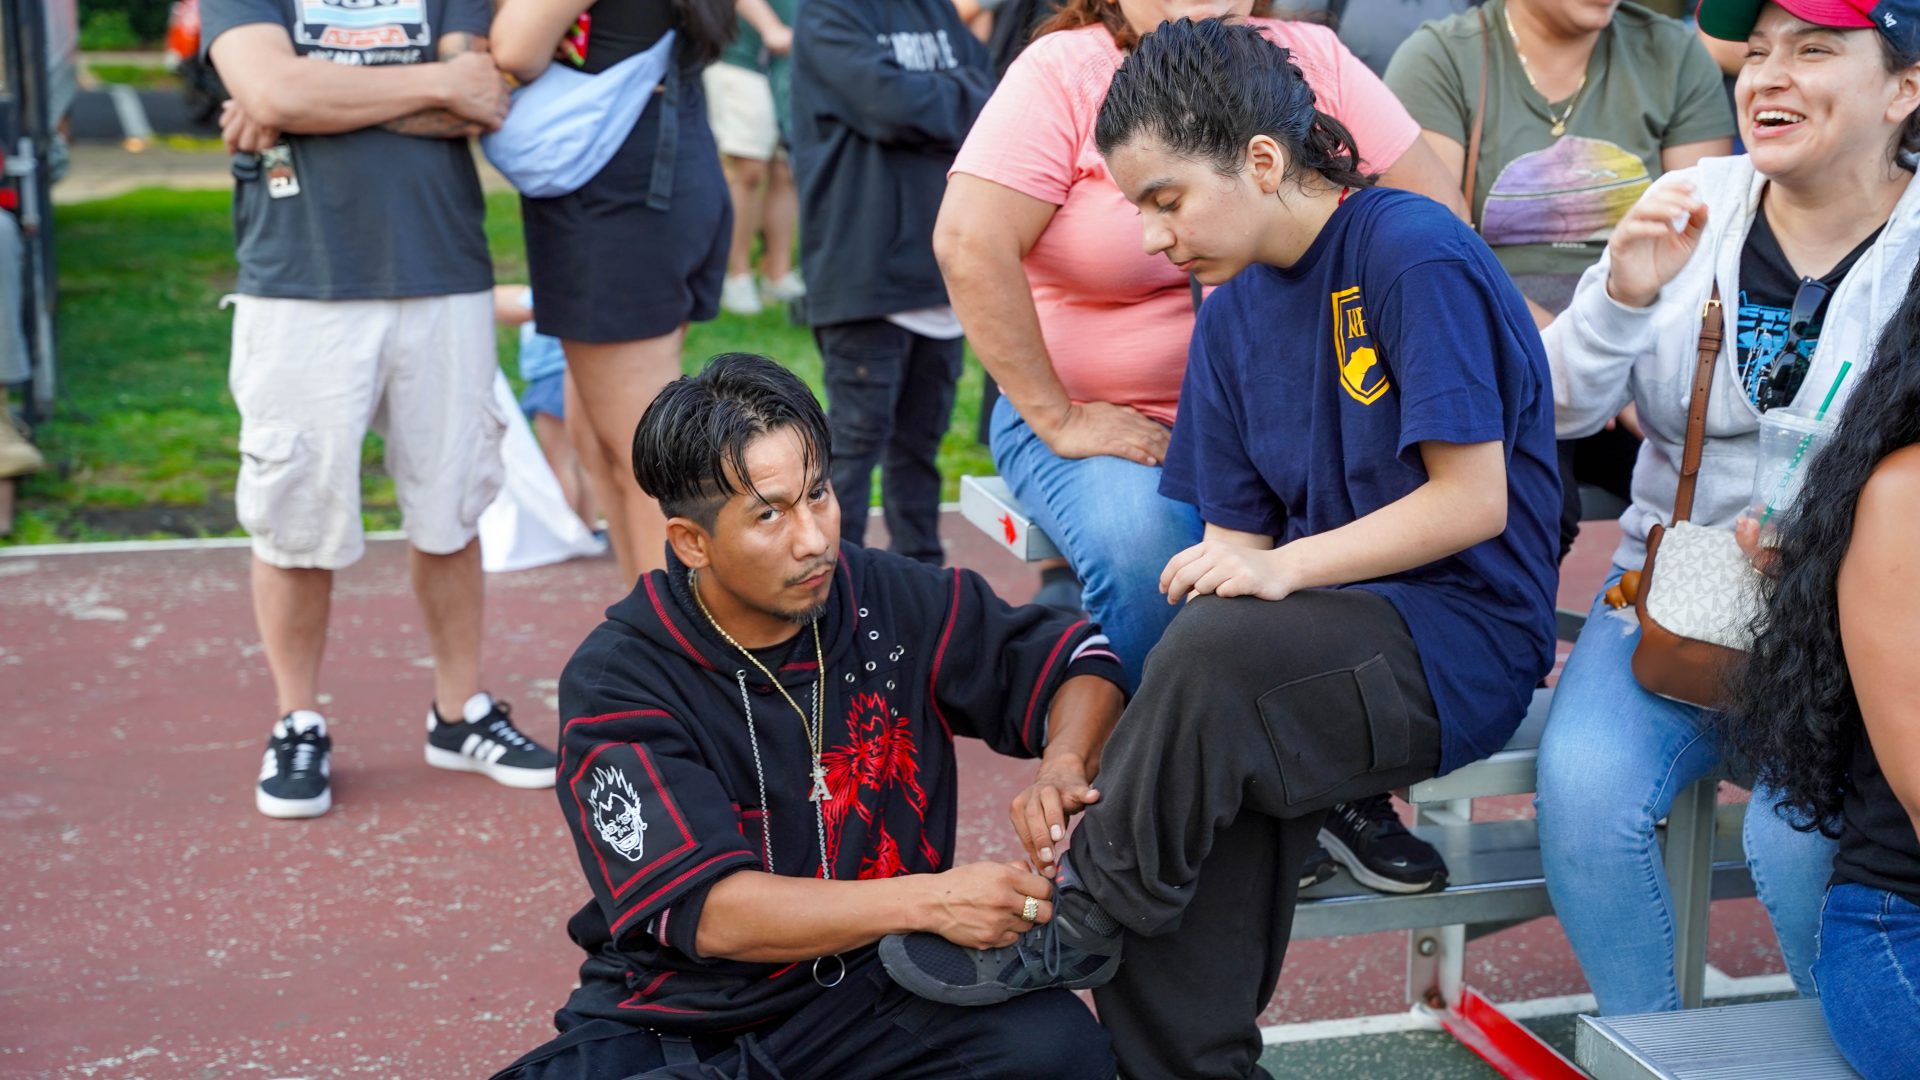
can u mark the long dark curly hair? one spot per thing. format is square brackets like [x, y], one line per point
[1794, 720]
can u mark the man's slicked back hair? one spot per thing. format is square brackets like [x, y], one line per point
[690, 450]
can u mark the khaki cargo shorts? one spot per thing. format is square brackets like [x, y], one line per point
[740, 112]
[312, 376]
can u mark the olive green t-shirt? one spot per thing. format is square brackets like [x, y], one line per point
[1547, 204]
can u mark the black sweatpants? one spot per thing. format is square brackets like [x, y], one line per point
[889, 400]
[866, 1028]
[1253, 718]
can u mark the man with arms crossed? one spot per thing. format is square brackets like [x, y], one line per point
[364, 299]
[758, 769]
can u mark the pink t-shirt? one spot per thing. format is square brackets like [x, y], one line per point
[1116, 320]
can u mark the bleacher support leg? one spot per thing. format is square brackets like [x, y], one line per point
[1689, 859]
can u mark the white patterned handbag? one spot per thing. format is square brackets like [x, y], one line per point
[1707, 588]
[1698, 593]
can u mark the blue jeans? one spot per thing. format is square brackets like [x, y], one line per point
[1611, 761]
[1869, 975]
[1108, 517]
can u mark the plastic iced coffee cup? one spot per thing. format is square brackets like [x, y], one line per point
[1789, 440]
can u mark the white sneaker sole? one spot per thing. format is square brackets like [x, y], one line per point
[287, 809]
[1345, 857]
[455, 761]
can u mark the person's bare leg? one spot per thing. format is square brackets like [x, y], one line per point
[780, 217]
[587, 507]
[452, 594]
[291, 608]
[615, 384]
[603, 479]
[744, 178]
[561, 458]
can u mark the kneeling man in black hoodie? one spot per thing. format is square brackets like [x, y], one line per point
[757, 767]
[884, 92]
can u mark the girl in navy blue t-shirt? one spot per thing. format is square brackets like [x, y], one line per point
[1366, 428]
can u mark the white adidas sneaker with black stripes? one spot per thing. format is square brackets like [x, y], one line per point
[486, 742]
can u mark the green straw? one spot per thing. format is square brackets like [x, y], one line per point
[1806, 441]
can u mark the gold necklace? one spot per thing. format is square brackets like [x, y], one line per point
[1559, 123]
[815, 727]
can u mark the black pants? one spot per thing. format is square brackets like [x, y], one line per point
[889, 401]
[1253, 718]
[867, 1027]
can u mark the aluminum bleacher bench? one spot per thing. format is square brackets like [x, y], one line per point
[1787, 1040]
[1495, 878]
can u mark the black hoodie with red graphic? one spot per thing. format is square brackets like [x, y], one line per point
[661, 785]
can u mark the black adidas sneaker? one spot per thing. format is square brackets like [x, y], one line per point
[1078, 950]
[489, 745]
[295, 768]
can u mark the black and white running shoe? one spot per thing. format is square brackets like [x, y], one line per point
[488, 743]
[1078, 950]
[294, 770]
[1366, 837]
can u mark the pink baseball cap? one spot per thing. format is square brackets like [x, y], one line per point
[1897, 20]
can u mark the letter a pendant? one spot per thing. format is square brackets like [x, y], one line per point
[820, 792]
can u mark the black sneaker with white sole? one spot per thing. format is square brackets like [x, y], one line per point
[489, 745]
[1078, 950]
[295, 769]
[1366, 837]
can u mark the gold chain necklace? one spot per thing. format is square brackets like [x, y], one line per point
[814, 726]
[1559, 123]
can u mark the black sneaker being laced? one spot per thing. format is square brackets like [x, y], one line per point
[1078, 950]
[1366, 837]
[489, 745]
[295, 768]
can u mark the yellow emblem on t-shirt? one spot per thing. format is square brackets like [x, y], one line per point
[1362, 374]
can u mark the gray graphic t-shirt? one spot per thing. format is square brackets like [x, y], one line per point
[367, 214]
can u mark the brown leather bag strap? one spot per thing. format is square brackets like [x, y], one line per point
[1711, 325]
[1479, 114]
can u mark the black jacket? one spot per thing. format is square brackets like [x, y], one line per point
[884, 92]
[659, 783]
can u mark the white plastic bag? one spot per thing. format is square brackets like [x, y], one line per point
[529, 523]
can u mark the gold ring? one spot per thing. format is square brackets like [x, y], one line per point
[1030, 911]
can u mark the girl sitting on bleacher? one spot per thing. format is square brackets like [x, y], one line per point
[1829, 710]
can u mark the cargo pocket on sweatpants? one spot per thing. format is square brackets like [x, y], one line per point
[277, 497]
[1327, 729]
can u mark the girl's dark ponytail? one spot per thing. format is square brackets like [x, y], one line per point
[1331, 152]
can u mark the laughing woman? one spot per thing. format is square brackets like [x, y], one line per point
[1378, 488]
[1805, 240]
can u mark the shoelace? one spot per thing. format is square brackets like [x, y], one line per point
[1378, 813]
[1050, 950]
[303, 749]
[505, 732]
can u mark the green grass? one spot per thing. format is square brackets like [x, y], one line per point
[138, 76]
[142, 442]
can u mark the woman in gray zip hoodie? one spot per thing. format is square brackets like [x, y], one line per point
[1807, 240]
